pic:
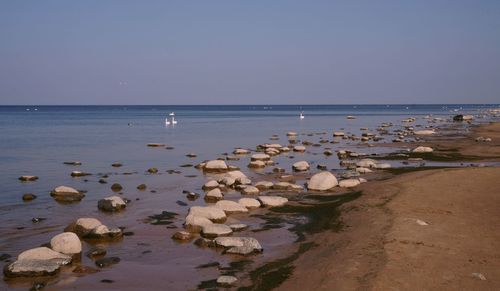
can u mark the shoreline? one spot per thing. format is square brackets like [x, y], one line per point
[384, 247]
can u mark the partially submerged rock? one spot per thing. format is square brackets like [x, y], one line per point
[226, 281]
[322, 181]
[215, 230]
[229, 206]
[214, 195]
[28, 178]
[273, 201]
[66, 243]
[111, 204]
[348, 183]
[40, 261]
[249, 202]
[422, 149]
[213, 213]
[301, 166]
[215, 166]
[239, 245]
[66, 194]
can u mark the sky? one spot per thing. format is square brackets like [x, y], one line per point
[249, 52]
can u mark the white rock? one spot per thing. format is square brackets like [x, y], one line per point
[260, 157]
[250, 190]
[112, 203]
[235, 174]
[422, 149]
[301, 166]
[322, 181]
[66, 194]
[104, 233]
[66, 243]
[229, 206]
[195, 223]
[82, 226]
[348, 183]
[273, 201]
[210, 185]
[366, 163]
[257, 164]
[214, 195]
[213, 213]
[44, 253]
[215, 230]
[226, 281]
[299, 148]
[216, 166]
[249, 202]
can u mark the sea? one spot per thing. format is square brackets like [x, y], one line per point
[37, 140]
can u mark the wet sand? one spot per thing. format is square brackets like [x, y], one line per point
[385, 244]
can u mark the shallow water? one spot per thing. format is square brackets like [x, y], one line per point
[36, 142]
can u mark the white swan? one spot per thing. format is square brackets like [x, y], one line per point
[302, 115]
[172, 121]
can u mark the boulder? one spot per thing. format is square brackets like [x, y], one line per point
[210, 185]
[213, 213]
[182, 235]
[348, 183]
[264, 185]
[273, 201]
[299, 149]
[216, 166]
[32, 268]
[214, 195]
[229, 206]
[239, 245]
[215, 230]
[301, 166]
[195, 223]
[322, 181]
[66, 194]
[235, 174]
[257, 164]
[66, 243]
[29, 197]
[111, 204]
[249, 202]
[44, 253]
[83, 226]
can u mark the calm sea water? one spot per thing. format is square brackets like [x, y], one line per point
[38, 140]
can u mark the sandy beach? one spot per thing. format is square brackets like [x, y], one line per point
[424, 230]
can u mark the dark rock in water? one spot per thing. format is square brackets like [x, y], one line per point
[208, 265]
[191, 176]
[116, 165]
[4, 257]
[38, 286]
[65, 194]
[152, 170]
[128, 233]
[28, 178]
[191, 155]
[163, 218]
[186, 165]
[96, 252]
[182, 235]
[102, 181]
[79, 174]
[321, 167]
[174, 172]
[32, 268]
[181, 203]
[142, 187]
[204, 242]
[105, 176]
[155, 145]
[146, 252]
[191, 195]
[73, 163]
[37, 219]
[169, 148]
[85, 270]
[116, 187]
[106, 262]
[458, 117]
[107, 281]
[29, 197]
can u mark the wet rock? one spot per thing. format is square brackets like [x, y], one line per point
[79, 174]
[111, 204]
[155, 145]
[66, 194]
[73, 163]
[191, 195]
[226, 281]
[422, 149]
[348, 183]
[273, 201]
[291, 133]
[37, 219]
[239, 245]
[338, 133]
[28, 178]
[44, 253]
[116, 187]
[181, 203]
[235, 174]
[240, 151]
[321, 167]
[182, 236]
[301, 166]
[328, 152]
[96, 252]
[83, 226]
[103, 233]
[238, 226]
[66, 243]
[229, 207]
[213, 213]
[249, 203]
[37, 286]
[227, 181]
[152, 170]
[215, 230]
[214, 195]
[84, 270]
[299, 149]
[107, 262]
[142, 187]
[191, 155]
[215, 166]
[322, 181]
[29, 197]
[204, 242]
[102, 181]
[257, 164]
[250, 190]
[32, 268]
[4, 257]
[243, 181]
[116, 165]
[366, 163]
[210, 185]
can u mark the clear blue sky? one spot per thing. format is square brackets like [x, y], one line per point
[249, 52]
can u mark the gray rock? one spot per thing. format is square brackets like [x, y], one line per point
[322, 181]
[66, 243]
